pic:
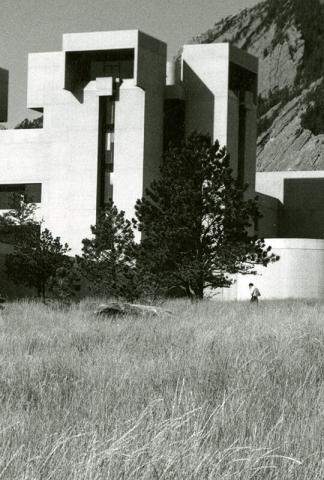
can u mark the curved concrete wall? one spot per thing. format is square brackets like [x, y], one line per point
[298, 274]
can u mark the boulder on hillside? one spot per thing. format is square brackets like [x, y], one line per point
[120, 308]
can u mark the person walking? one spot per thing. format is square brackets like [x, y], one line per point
[255, 293]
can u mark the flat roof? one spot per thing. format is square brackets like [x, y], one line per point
[110, 40]
[235, 55]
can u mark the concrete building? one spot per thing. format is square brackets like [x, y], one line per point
[109, 109]
[293, 222]
[111, 104]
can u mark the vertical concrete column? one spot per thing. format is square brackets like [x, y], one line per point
[129, 147]
[170, 73]
[205, 76]
[152, 79]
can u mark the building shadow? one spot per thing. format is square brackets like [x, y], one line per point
[200, 103]
[302, 215]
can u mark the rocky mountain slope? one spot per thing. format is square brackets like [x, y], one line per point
[288, 38]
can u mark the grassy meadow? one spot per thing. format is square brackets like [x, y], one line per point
[215, 391]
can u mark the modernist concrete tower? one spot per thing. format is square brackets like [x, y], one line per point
[109, 110]
[220, 85]
[111, 106]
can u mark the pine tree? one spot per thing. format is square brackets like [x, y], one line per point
[195, 222]
[36, 259]
[108, 258]
[37, 256]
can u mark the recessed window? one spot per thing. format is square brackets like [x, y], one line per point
[85, 66]
[32, 193]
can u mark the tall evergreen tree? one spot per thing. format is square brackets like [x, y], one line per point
[108, 261]
[36, 259]
[196, 224]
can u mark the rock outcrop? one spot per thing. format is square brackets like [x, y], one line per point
[286, 145]
[119, 308]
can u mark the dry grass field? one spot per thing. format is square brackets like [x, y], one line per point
[217, 391]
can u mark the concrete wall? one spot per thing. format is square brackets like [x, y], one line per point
[24, 158]
[205, 79]
[214, 107]
[73, 181]
[45, 79]
[139, 125]
[298, 274]
[4, 79]
[303, 212]
[272, 183]
[112, 40]
[127, 177]
[270, 209]
[301, 196]
[63, 156]
[152, 56]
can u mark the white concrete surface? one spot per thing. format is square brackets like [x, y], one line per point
[298, 274]
[211, 107]
[205, 72]
[272, 183]
[45, 79]
[63, 156]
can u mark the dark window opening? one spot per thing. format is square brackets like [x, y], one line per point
[32, 193]
[241, 145]
[108, 194]
[242, 80]
[112, 69]
[82, 67]
[174, 122]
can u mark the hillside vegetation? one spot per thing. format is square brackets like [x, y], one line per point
[216, 391]
[288, 38]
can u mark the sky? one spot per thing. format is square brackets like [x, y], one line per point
[37, 26]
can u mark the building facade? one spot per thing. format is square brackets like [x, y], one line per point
[109, 109]
[111, 104]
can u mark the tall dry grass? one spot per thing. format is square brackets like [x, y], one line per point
[218, 391]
